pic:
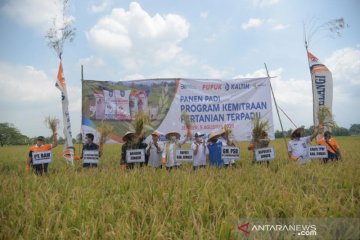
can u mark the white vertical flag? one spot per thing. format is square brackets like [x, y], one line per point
[68, 152]
[322, 86]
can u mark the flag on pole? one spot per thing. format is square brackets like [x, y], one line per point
[68, 152]
[322, 86]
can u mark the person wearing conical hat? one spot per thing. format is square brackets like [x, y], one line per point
[201, 153]
[226, 141]
[298, 145]
[214, 147]
[154, 150]
[262, 142]
[169, 153]
[130, 143]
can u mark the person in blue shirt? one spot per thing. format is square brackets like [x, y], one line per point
[214, 146]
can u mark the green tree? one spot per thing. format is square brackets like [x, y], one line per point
[354, 129]
[10, 135]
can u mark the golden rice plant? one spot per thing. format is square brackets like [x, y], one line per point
[52, 123]
[326, 118]
[141, 120]
[186, 118]
[104, 129]
[259, 127]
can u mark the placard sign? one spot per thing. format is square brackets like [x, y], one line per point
[264, 154]
[317, 151]
[184, 155]
[228, 152]
[91, 156]
[41, 157]
[135, 155]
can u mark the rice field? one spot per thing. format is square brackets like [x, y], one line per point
[107, 203]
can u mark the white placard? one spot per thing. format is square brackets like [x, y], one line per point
[185, 155]
[264, 154]
[317, 151]
[135, 155]
[228, 152]
[91, 156]
[41, 157]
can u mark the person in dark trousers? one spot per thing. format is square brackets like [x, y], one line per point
[40, 146]
[130, 143]
[91, 146]
[332, 146]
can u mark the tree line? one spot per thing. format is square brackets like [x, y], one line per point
[10, 135]
[339, 131]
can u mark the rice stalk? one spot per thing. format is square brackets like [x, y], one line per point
[326, 118]
[259, 127]
[52, 123]
[141, 120]
[104, 129]
[186, 118]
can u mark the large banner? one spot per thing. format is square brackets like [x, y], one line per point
[322, 86]
[210, 103]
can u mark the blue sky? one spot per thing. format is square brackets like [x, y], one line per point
[122, 40]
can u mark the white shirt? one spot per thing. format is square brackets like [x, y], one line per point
[169, 152]
[298, 148]
[200, 157]
[155, 154]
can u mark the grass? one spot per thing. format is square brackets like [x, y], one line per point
[106, 203]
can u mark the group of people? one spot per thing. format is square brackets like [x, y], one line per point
[159, 154]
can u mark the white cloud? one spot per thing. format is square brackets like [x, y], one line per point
[264, 3]
[294, 96]
[345, 66]
[92, 62]
[103, 6]
[37, 14]
[258, 22]
[25, 84]
[252, 23]
[280, 26]
[138, 38]
[30, 94]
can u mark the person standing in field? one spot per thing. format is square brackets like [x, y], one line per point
[154, 151]
[169, 153]
[201, 153]
[332, 146]
[90, 146]
[130, 144]
[226, 141]
[298, 146]
[214, 147]
[40, 146]
[262, 142]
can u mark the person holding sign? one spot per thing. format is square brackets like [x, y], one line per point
[201, 153]
[40, 151]
[260, 142]
[215, 147]
[298, 146]
[154, 151]
[332, 146]
[226, 141]
[90, 146]
[169, 153]
[130, 144]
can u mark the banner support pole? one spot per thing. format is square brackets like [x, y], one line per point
[276, 106]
